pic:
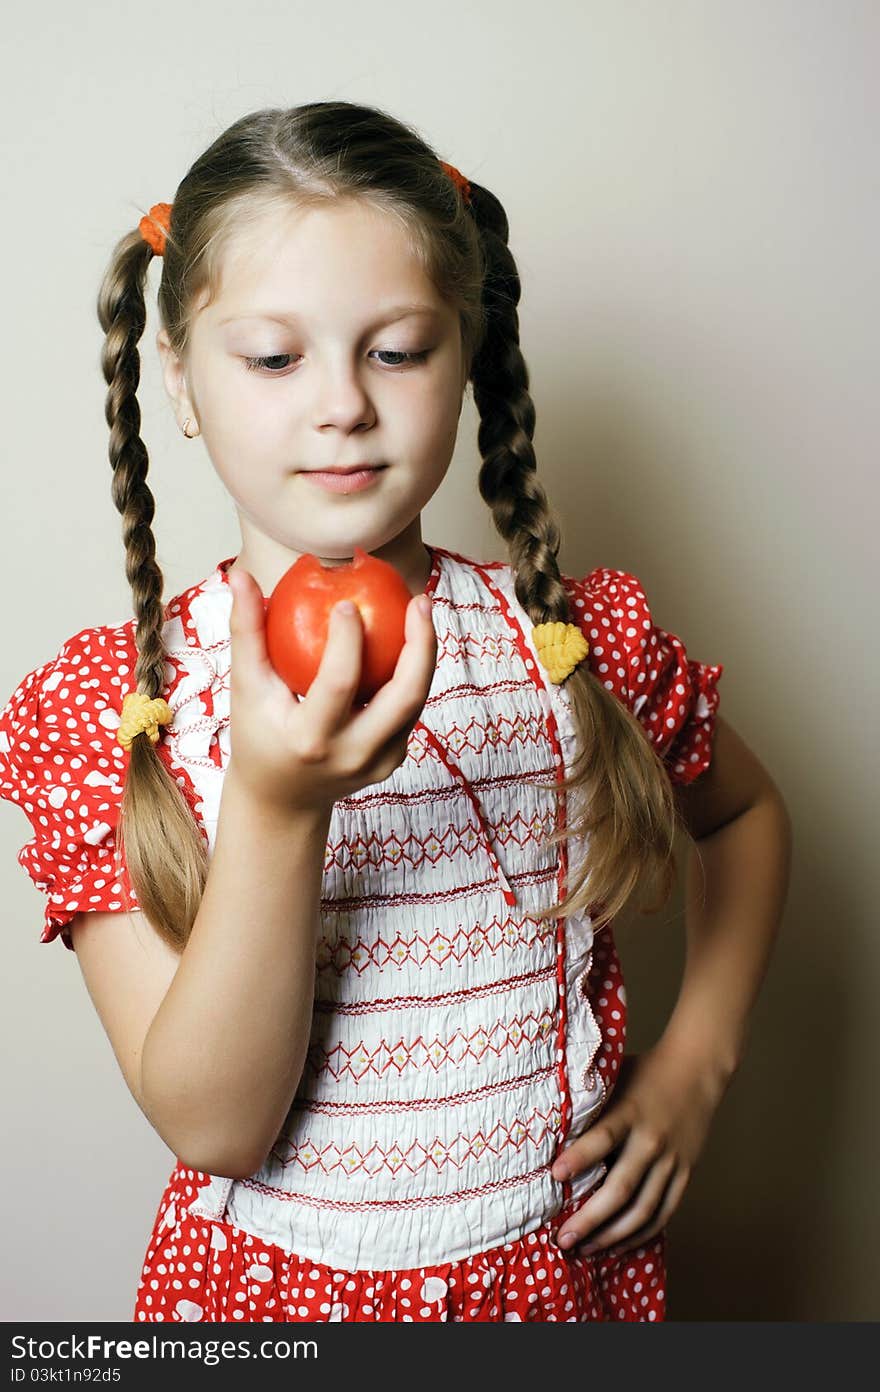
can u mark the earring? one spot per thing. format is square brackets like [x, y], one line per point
[185, 429]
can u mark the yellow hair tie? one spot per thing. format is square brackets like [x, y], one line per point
[142, 712]
[561, 646]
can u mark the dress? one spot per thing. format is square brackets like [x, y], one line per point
[456, 1043]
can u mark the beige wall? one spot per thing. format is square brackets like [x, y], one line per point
[693, 200]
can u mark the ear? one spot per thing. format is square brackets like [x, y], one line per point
[174, 378]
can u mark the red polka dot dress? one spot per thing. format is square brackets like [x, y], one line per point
[457, 1043]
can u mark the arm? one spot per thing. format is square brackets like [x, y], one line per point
[736, 885]
[661, 1116]
[224, 1053]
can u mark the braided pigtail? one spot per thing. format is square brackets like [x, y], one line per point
[156, 825]
[630, 814]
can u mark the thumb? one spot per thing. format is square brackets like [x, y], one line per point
[247, 619]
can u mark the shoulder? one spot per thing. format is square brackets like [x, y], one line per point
[674, 696]
[60, 763]
[86, 661]
[59, 757]
[75, 697]
[613, 594]
[612, 610]
[65, 713]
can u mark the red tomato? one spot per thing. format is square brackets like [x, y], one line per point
[298, 617]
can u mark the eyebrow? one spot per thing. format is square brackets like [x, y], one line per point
[400, 311]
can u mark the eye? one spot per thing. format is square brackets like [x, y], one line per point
[393, 353]
[274, 363]
[254, 363]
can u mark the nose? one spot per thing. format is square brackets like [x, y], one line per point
[342, 401]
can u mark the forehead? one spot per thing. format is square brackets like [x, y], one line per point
[302, 261]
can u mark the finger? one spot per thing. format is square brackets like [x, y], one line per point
[327, 702]
[397, 704]
[596, 1143]
[642, 1211]
[642, 1236]
[672, 1199]
[247, 626]
[383, 763]
[617, 1189]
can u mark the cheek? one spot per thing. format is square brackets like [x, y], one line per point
[434, 413]
[250, 417]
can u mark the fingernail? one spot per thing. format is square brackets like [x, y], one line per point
[346, 606]
[567, 1239]
[561, 1172]
[423, 604]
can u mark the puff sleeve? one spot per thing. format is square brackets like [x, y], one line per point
[59, 761]
[674, 697]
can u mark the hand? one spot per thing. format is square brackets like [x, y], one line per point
[303, 754]
[663, 1105]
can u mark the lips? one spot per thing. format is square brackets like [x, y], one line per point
[349, 469]
[348, 481]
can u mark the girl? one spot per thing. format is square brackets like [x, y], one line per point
[356, 963]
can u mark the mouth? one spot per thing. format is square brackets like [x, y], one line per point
[349, 469]
[345, 480]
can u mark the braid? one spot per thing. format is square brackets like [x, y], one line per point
[508, 479]
[629, 815]
[156, 825]
[123, 319]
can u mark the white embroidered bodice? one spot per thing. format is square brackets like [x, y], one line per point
[452, 1040]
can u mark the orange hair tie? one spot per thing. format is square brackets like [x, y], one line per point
[459, 180]
[154, 226]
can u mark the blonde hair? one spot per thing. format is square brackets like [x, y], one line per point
[314, 155]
